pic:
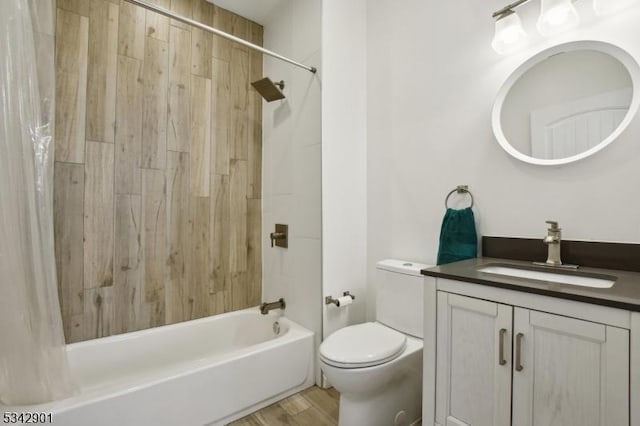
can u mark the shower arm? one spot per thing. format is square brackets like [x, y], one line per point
[162, 11]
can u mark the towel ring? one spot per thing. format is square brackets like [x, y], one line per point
[460, 189]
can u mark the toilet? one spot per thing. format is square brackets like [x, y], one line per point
[377, 366]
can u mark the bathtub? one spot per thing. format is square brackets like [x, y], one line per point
[208, 371]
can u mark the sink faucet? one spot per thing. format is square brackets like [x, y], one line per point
[266, 307]
[553, 240]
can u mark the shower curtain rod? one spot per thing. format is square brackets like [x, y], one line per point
[162, 11]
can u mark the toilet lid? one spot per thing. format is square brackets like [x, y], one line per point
[362, 345]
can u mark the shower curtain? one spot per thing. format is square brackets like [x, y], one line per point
[33, 363]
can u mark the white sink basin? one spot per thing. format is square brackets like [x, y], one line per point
[604, 281]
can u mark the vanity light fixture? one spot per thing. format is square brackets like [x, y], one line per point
[606, 7]
[509, 34]
[557, 16]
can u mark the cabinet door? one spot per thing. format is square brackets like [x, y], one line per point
[571, 372]
[473, 374]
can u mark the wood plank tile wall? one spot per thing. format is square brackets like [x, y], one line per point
[158, 166]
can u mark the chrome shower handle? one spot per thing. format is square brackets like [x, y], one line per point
[280, 237]
[277, 236]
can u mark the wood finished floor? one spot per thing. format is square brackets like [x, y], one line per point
[311, 407]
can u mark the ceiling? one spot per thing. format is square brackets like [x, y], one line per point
[256, 10]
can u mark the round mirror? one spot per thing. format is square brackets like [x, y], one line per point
[567, 102]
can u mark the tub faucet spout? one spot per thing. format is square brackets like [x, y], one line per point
[266, 307]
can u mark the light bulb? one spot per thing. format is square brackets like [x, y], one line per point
[606, 7]
[557, 16]
[509, 34]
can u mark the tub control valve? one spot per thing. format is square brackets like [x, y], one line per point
[280, 237]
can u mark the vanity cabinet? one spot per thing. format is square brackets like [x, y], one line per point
[498, 364]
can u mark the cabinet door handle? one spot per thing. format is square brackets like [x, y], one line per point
[501, 360]
[519, 338]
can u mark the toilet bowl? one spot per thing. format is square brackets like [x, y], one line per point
[380, 391]
[377, 366]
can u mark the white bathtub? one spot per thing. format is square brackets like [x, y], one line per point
[207, 371]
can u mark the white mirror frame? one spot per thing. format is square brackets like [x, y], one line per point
[623, 56]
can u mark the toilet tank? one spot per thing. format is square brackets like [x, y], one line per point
[399, 296]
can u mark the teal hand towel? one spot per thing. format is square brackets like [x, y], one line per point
[458, 237]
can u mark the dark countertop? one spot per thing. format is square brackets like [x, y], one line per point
[625, 293]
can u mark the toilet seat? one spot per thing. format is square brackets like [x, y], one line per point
[362, 345]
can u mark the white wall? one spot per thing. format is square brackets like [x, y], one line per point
[432, 77]
[291, 164]
[344, 210]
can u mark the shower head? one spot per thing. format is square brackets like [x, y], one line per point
[269, 90]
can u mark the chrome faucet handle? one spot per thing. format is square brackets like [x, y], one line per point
[554, 225]
[553, 233]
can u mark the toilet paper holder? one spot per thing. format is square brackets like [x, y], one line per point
[329, 300]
